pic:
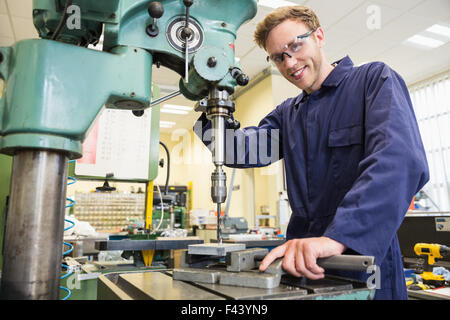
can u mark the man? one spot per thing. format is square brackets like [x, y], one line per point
[353, 154]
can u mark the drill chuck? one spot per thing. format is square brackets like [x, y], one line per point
[218, 186]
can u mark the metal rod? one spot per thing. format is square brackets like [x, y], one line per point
[186, 64]
[165, 98]
[219, 229]
[347, 262]
[218, 128]
[34, 226]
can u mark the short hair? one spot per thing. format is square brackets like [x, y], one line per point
[273, 19]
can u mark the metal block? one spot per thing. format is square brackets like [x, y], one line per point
[197, 260]
[244, 260]
[197, 275]
[215, 249]
[251, 279]
[317, 286]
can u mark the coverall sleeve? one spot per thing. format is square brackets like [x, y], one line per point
[393, 169]
[250, 147]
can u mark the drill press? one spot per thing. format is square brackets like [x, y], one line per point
[55, 87]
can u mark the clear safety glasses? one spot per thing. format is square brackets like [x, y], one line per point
[291, 49]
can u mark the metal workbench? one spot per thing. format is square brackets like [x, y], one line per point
[159, 285]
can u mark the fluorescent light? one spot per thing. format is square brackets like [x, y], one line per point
[176, 107]
[440, 30]
[166, 124]
[425, 41]
[275, 3]
[173, 111]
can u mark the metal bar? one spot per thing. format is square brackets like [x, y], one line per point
[339, 262]
[219, 227]
[165, 98]
[215, 249]
[34, 226]
[144, 244]
[347, 262]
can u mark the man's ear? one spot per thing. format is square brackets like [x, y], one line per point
[319, 35]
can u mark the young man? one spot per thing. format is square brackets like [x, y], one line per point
[352, 149]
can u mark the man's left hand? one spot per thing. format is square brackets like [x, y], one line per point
[300, 256]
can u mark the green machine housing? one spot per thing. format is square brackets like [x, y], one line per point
[55, 87]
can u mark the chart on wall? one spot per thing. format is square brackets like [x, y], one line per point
[118, 143]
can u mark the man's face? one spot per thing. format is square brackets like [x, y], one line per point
[304, 67]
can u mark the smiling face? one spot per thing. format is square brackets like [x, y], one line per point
[307, 68]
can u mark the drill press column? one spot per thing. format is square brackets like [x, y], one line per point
[34, 226]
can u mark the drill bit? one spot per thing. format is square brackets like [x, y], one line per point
[219, 229]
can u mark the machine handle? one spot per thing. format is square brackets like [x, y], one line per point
[156, 11]
[347, 262]
[338, 262]
[186, 34]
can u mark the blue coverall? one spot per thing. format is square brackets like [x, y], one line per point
[354, 159]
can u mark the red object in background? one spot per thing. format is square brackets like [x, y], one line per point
[412, 206]
[90, 146]
[222, 213]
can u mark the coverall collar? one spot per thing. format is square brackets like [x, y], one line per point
[339, 73]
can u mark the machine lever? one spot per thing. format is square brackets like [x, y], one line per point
[241, 78]
[155, 10]
[338, 262]
[186, 34]
[165, 98]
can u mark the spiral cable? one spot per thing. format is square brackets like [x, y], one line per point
[66, 267]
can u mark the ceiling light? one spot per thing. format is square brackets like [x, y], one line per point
[425, 41]
[176, 107]
[275, 3]
[164, 110]
[166, 124]
[440, 30]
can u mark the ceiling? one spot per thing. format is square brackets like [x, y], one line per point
[346, 32]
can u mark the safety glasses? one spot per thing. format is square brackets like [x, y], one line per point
[291, 49]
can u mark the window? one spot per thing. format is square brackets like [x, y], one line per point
[431, 102]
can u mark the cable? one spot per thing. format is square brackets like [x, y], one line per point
[66, 267]
[63, 20]
[166, 189]
[162, 210]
